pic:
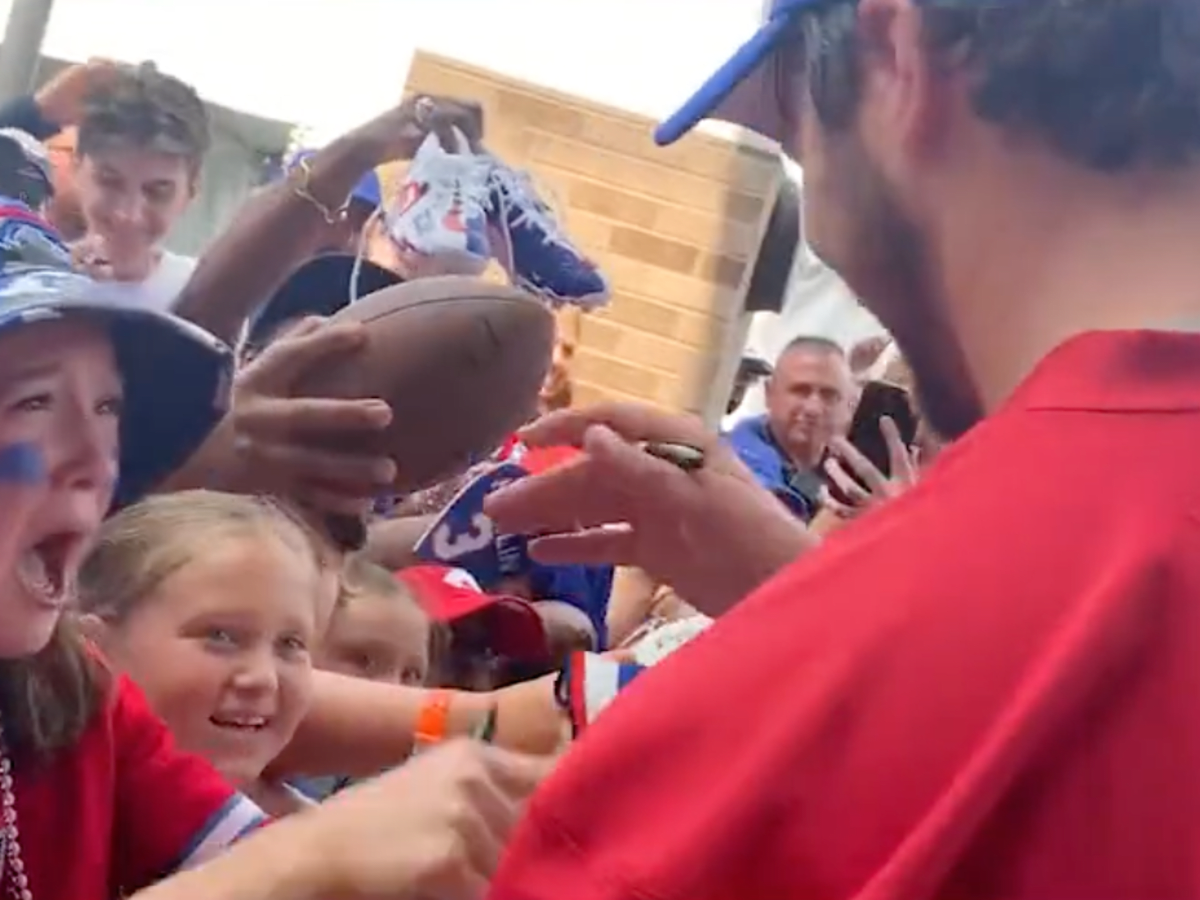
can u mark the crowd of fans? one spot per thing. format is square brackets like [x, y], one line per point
[925, 629]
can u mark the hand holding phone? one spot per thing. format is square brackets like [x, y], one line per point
[874, 460]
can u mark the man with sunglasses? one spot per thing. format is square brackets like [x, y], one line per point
[988, 687]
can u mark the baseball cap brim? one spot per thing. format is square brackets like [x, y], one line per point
[176, 375]
[320, 287]
[743, 90]
[514, 628]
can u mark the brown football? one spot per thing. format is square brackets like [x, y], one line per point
[459, 359]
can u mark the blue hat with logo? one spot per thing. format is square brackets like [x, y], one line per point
[743, 90]
[368, 191]
[176, 375]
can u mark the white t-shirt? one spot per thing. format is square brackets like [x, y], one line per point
[161, 287]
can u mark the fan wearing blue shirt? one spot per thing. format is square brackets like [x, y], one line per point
[810, 399]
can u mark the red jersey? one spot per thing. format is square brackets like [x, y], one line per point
[986, 689]
[122, 808]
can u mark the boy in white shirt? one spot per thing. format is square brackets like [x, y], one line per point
[141, 142]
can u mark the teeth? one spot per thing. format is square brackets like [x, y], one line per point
[241, 721]
[34, 574]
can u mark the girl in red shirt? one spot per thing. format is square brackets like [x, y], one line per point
[213, 603]
[96, 800]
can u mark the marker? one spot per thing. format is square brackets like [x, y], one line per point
[683, 456]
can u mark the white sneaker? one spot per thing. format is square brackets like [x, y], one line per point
[538, 254]
[439, 220]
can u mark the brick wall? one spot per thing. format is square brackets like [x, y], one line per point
[675, 229]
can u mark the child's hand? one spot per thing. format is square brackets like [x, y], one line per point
[435, 827]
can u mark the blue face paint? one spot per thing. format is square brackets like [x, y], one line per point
[22, 463]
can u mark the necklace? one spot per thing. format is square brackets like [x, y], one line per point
[11, 863]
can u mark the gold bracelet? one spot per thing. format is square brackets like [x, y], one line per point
[300, 189]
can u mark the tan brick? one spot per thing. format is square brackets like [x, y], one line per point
[650, 178]
[639, 347]
[693, 329]
[737, 239]
[670, 287]
[598, 368]
[721, 269]
[585, 393]
[605, 126]
[647, 247]
[611, 202]
[539, 112]
[700, 154]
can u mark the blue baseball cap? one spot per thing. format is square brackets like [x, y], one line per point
[743, 90]
[368, 191]
[176, 375]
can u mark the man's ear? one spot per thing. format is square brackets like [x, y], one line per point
[769, 386]
[94, 628]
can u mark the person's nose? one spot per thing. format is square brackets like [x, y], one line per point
[811, 406]
[258, 672]
[90, 462]
[127, 210]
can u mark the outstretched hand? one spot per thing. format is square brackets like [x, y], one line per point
[714, 534]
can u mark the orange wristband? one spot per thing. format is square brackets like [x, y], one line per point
[433, 719]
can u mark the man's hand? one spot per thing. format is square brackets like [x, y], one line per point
[713, 534]
[61, 99]
[282, 443]
[435, 827]
[866, 353]
[397, 133]
[847, 464]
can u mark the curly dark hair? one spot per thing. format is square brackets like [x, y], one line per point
[1109, 84]
[143, 107]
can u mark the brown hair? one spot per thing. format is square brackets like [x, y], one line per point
[141, 106]
[49, 699]
[144, 544]
[1108, 84]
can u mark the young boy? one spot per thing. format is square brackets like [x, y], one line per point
[141, 142]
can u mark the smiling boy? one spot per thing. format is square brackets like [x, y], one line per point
[137, 162]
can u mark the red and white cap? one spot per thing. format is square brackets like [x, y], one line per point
[450, 595]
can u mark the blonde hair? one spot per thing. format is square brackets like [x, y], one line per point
[363, 578]
[144, 544]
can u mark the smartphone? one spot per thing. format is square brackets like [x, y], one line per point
[879, 399]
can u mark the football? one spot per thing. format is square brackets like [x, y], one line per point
[460, 360]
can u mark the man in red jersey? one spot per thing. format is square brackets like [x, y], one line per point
[987, 688]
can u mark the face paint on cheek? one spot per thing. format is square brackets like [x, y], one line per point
[22, 463]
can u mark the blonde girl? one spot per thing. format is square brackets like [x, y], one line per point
[212, 603]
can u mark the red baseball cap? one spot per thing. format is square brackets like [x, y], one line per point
[450, 595]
